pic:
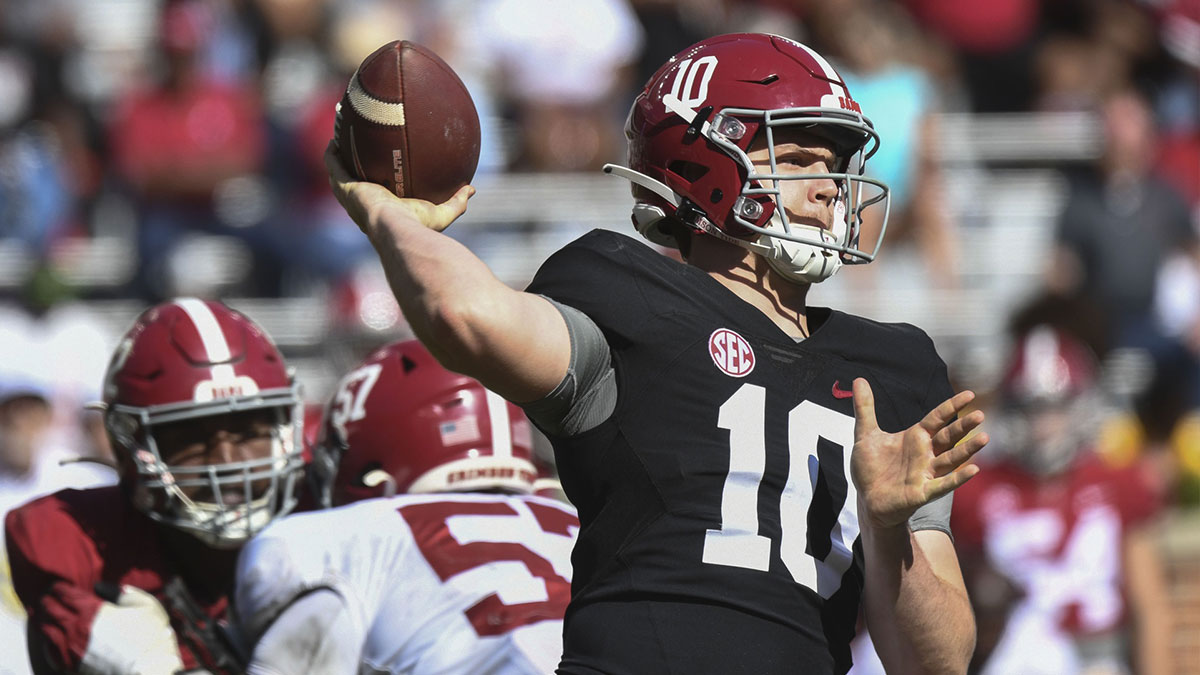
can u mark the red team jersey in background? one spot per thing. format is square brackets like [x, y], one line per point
[62, 545]
[1059, 541]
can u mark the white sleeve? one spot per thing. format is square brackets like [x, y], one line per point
[315, 634]
[273, 572]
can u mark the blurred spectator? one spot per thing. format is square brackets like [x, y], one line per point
[1072, 73]
[1091, 50]
[1041, 531]
[669, 26]
[308, 59]
[1119, 224]
[311, 48]
[24, 420]
[34, 200]
[878, 49]
[35, 436]
[994, 39]
[1178, 102]
[565, 68]
[31, 453]
[186, 144]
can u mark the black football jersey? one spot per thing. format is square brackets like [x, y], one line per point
[719, 522]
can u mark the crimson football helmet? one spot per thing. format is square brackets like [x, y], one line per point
[189, 359]
[1050, 400]
[689, 131]
[400, 422]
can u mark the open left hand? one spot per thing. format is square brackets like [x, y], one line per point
[897, 473]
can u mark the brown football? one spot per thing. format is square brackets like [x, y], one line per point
[408, 123]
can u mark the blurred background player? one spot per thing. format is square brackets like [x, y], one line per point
[1042, 531]
[468, 572]
[203, 416]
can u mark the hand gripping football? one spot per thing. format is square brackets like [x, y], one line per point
[408, 123]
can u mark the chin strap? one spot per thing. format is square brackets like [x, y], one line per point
[379, 477]
[705, 225]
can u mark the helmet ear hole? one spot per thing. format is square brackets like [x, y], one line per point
[688, 171]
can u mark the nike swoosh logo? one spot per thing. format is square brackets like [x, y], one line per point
[841, 393]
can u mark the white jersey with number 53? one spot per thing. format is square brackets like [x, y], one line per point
[445, 583]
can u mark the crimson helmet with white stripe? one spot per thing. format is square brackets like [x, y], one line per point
[188, 359]
[400, 422]
[1050, 400]
[1048, 366]
[691, 126]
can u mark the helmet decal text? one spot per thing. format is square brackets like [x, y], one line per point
[224, 387]
[686, 89]
[350, 402]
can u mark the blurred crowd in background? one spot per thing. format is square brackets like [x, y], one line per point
[154, 148]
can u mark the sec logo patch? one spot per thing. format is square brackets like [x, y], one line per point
[731, 352]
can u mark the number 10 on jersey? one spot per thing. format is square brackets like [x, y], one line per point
[737, 543]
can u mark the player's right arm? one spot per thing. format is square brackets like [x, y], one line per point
[47, 563]
[297, 614]
[515, 343]
[316, 633]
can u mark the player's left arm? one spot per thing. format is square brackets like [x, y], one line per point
[917, 608]
[915, 600]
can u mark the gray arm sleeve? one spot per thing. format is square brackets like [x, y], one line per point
[933, 516]
[587, 394]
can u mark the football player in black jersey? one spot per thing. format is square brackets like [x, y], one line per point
[749, 470]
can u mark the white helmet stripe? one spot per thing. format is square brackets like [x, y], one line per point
[829, 71]
[501, 426]
[211, 335]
